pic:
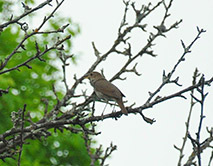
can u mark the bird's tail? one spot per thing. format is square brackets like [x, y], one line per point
[123, 108]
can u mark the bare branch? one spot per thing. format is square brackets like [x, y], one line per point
[37, 56]
[2, 91]
[167, 78]
[3, 64]
[97, 53]
[82, 114]
[194, 81]
[47, 2]
[21, 134]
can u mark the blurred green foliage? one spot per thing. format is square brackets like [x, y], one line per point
[29, 86]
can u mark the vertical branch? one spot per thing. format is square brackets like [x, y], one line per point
[21, 134]
[107, 153]
[63, 60]
[192, 103]
[198, 146]
[201, 90]
[211, 158]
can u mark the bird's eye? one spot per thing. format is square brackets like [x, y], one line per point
[91, 74]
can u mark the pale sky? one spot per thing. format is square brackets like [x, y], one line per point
[138, 142]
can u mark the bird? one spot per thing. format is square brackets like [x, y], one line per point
[106, 90]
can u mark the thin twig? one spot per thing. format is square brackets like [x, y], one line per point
[15, 20]
[167, 78]
[7, 59]
[21, 135]
[192, 103]
[37, 56]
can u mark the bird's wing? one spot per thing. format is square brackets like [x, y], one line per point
[108, 89]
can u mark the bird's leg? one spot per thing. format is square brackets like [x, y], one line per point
[93, 107]
[102, 115]
[113, 110]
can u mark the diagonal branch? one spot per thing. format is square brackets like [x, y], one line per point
[15, 20]
[38, 55]
[167, 78]
[3, 64]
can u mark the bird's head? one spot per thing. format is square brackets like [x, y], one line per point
[94, 76]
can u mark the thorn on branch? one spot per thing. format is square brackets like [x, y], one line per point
[28, 66]
[61, 48]
[165, 78]
[127, 51]
[200, 30]
[121, 78]
[75, 77]
[177, 148]
[26, 7]
[186, 49]
[97, 53]
[142, 27]
[148, 120]
[183, 45]
[126, 3]
[210, 131]
[151, 53]
[63, 28]
[62, 40]
[45, 19]
[23, 46]
[11, 17]
[182, 97]
[195, 76]
[50, 3]
[175, 25]
[150, 93]
[134, 70]
[157, 98]
[176, 81]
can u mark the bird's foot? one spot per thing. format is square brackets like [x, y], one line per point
[102, 116]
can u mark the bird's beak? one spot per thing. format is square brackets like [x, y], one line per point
[86, 76]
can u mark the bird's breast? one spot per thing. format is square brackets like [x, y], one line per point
[102, 96]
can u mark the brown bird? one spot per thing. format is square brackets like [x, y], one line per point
[106, 90]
